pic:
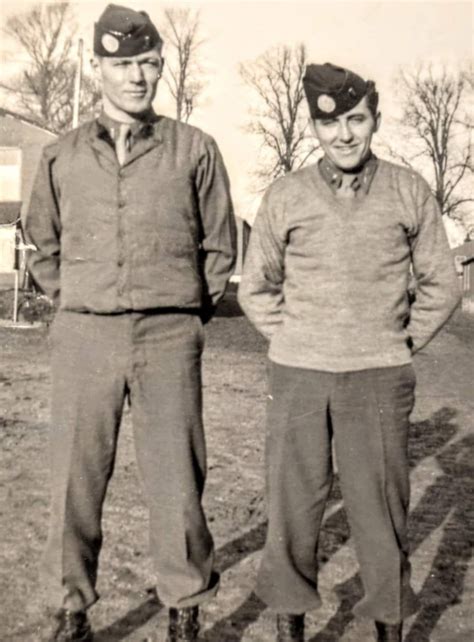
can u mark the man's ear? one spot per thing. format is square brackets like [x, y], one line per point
[378, 120]
[162, 60]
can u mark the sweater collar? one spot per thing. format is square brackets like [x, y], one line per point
[332, 175]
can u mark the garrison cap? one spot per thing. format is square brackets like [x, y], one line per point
[331, 91]
[122, 32]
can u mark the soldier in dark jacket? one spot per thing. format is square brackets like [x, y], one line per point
[132, 220]
[325, 280]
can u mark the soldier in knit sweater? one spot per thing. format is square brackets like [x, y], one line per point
[325, 280]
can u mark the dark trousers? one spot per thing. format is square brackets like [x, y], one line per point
[97, 362]
[366, 413]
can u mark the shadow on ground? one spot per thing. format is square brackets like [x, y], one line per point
[446, 501]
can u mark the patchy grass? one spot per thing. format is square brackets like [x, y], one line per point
[441, 524]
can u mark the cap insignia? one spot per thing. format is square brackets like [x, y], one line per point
[110, 43]
[326, 103]
[352, 92]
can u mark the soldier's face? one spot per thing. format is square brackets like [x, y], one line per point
[346, 139]
[129, 84]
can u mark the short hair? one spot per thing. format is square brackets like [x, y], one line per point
[372, 97]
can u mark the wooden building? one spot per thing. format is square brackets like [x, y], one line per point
[21, 142]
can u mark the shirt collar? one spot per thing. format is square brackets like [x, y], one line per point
[142, 128]
[332, 175]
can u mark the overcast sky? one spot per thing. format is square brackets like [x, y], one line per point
[372, 38]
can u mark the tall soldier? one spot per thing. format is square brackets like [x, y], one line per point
[325, 280]
[132, 220]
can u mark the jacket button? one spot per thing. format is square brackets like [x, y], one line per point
[120, 262]
[121, 204]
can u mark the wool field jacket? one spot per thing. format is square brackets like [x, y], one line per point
[156, 232]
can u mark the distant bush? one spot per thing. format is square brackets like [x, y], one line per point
[33, 307]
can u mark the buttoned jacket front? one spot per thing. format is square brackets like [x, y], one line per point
[155, 232]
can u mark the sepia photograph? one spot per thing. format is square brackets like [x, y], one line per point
[236, 321]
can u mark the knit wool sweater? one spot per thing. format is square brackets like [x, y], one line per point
[326, 278]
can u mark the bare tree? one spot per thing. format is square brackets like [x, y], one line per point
[44, 90]
[435, 116]
[183, 73]
[279, 119]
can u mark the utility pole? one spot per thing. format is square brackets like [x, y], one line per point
[77, 85]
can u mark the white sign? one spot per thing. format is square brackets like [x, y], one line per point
[10, 174]
[7, 249]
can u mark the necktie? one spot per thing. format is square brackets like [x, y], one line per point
[122, 142]
[349, 187]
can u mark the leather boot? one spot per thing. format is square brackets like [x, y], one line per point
[290, 627]
[183, 624]
[389, 632]
[71, 626]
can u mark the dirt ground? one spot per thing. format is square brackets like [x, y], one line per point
[441, 523]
